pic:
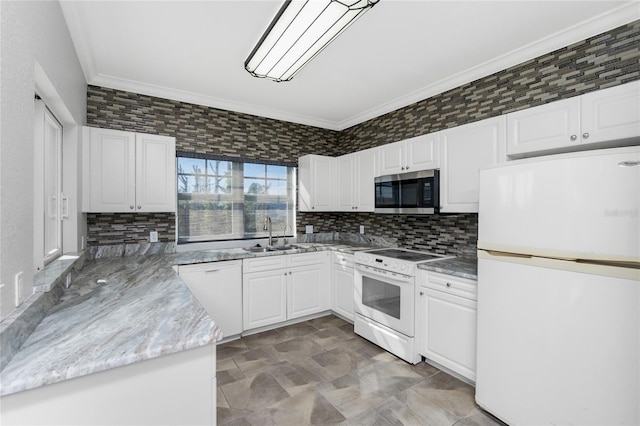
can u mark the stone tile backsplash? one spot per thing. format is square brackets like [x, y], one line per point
[606, 60]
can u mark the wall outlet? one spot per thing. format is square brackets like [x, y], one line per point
[362, 229]
[309, 229]
[18, 288]
[153, 236]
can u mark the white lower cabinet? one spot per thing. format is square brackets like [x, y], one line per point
[342, 291]
[446, 327]
[284, 287]
[208, 282]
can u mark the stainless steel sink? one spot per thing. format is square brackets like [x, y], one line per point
[272, 248]
[287, 247]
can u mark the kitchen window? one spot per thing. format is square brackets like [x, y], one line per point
[221, 199]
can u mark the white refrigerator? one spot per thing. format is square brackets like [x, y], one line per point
[559, 289]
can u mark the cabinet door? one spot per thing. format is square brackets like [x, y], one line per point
[307, 291]
[422, 152]
[346, 168]
[366, 167]
[546, 127]
[111, 171]
[316, 183]
[264, 298]
[448, 331]
[611, 114]
[391, 158]
[208, 282]
[155, 173]
[464, 150]
[342, 302]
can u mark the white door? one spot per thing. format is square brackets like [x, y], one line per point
[323, 183]
[567, 339]
[611, 114]
[580, 205]
[112, 171]
[343, 290]
[208, 282]
[545, 127]
[305, 291]
[346, 166]
[48, 197]
[422, 152]
[366, 162]
[392, 158]
[264, 298]
[155, 173]
[464, 150]
[448, 331]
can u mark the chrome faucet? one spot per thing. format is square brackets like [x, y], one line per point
[267, 227]
[284, 233]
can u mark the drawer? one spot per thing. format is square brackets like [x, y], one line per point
[449, 284]
[302, 259]
[343, 259]
[264, 263]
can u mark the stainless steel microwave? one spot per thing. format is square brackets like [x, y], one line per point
[408, 193]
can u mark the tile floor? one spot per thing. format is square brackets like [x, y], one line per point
[319, 372]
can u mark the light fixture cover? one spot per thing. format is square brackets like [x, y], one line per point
[300, 30]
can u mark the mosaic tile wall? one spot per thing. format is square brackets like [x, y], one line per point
[606, 60]
[602, 61]
[129, 228]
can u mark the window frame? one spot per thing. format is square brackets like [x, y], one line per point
[238, 199]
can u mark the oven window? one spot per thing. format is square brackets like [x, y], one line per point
[409, 193]
[387, 194]
[381, 296]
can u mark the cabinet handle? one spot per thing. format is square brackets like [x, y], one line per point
[448, 284]
[313, 207]
[422, 293]
[407, 167]
[211, 270]
[139, 207]
[573, 137]
[131, 207]
[401, 168]
[289, 272]
[585, 136]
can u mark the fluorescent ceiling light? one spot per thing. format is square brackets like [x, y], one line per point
[300, 30]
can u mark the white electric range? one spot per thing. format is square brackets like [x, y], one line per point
[385, 293]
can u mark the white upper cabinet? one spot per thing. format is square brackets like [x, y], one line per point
[410, 155]
[128, 172]
[544, 127]
[464, 150]
[356, 172]
[609, 115]
[316, 177]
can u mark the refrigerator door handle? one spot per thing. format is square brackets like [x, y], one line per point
[585, 267]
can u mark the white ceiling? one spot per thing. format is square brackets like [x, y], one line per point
[398, 53]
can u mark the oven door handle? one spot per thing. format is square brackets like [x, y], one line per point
[383, 275]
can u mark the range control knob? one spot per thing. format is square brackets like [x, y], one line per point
[394, 265]
[403, 267]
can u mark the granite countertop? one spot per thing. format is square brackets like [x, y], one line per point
[140, 309]
[456, 266]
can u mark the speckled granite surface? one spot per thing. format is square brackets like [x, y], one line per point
[142, 310]
[457, 266]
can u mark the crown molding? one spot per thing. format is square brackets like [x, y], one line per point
[79, 38]
[622, 15]
[612, 19]
[209, 101]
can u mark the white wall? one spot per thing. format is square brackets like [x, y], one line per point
[35, 51]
